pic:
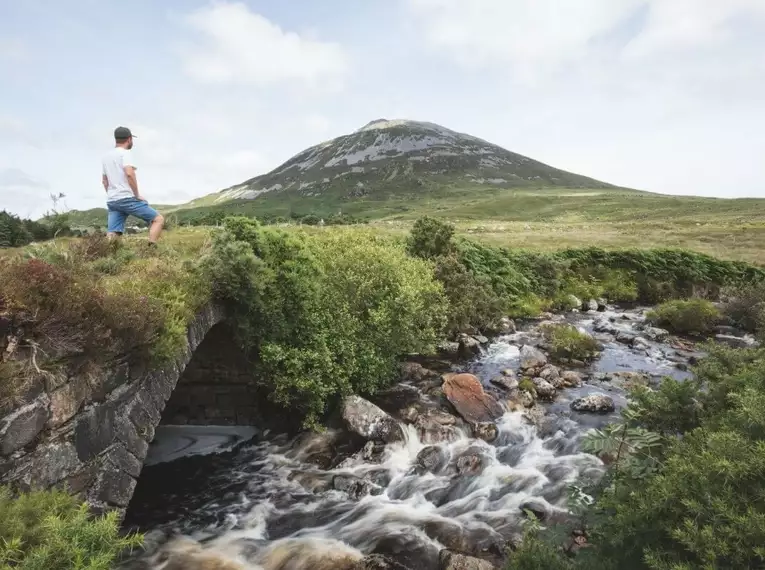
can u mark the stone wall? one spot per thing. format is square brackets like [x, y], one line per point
[217, 386]
[92, 434]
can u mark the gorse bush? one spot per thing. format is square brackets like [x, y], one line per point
[430, 238]
[51, 531]
[693, 316]
[327, 315]
[745, 307]
[566, 342]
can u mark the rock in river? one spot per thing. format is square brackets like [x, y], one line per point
[594, 403]
[369, 421]
[454, 561]
[466, 394]
[532, 357]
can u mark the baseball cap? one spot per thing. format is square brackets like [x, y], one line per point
[123, 133]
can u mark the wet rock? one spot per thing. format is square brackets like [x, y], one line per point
[469, 346]
[506, 382]
[639, 343]
[449, 349]
[735, 341]
[454, 561]
[372, 451]
[727, 329]
[378, 562]
[538, 508]
[481, 339]
[626, 379]
[379, 477]
[505, 326]
[487, 432]
[401, 401]
[594, 403]
[573, 302]
[603, 325]
[466, 394]
[525, 398]
[317, 448]
[431, 459]
[592, 305]
[532, 357]
[602, 304]
[22, 427]
[655, 334]
[370, 422]
[625, 337]
[571, 379]
[311, 481]
[434, 426]
[470, 464]
[550, 373]
[545, 390]
[355, 487]
[415, 373]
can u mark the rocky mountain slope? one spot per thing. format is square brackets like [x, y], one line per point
[398, 157]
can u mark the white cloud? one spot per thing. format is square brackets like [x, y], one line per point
[22, 193]
[238, 46]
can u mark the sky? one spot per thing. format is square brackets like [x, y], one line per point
[660, 95]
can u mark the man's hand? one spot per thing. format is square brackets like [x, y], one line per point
[105, 182]
[141, 198]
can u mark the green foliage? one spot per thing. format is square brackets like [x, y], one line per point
[535, 553]
[430, 238]
[567, 342]
[526, 385]
[327, 314]
[50, 531]
[745, 307]
[693, 316]
[15, 232]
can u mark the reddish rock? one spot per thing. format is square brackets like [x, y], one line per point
[466, 394]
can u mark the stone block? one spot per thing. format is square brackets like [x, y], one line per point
[67, 400]
[46, 466]
[23, 426]
[120, 458]
[126, 433]
[114, 487]
[94, 431]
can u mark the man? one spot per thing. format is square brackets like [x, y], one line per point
[122, 196]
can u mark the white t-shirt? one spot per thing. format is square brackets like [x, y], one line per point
[114, 163]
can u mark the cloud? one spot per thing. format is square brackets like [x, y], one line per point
[238, 46]
[22, 193]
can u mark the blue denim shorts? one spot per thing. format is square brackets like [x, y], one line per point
[119, 210]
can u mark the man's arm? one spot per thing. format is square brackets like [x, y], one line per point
[105, 182]
[133, 182]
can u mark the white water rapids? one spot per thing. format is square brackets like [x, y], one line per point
[266, 504]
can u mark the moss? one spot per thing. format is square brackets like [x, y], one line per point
[526, 385]
[693, 316]
[568, 343]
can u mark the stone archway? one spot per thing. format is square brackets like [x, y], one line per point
[93, 437]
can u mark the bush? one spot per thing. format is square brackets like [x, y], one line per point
[694, 316]
[326, 314]
[430, 238]
[746, 307]
[50, 531]
[569, 343]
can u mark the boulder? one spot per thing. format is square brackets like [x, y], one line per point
[431, 459]
[355, 487]
[415, 373]
[378, 562]
[594, 403]
[538, 508]
[398, 400]
[487, 431]
[469, 346]
[640, 344]
[549, 373]
[545, 390]
[625, 337]
[735, 341]
[435, 426]
[470, 464]
[602, 304]
[505, 382]
[505, 326]
[571, 379]
[466, 394]
[454, 561]
[532, 357]
[592, 305]
[481, 339]
[370, 422]
[655, 334]
[449, 349]
[22, 427]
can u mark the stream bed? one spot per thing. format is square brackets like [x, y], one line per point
[257, 500]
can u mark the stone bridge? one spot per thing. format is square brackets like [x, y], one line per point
[91, 435]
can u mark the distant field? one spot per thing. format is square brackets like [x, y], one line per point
[540, 219]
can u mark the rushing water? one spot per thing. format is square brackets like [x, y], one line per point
[266, 504]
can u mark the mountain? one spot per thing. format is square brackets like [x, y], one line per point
[398, 158]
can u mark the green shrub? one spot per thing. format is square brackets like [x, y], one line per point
[567, 343]
[430, 238]
[694, 316]
[746, 307]
[327, 314]
[526, 385]
[50, 531]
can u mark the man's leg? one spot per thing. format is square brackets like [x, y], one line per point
[115, 223]
[155, 230]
